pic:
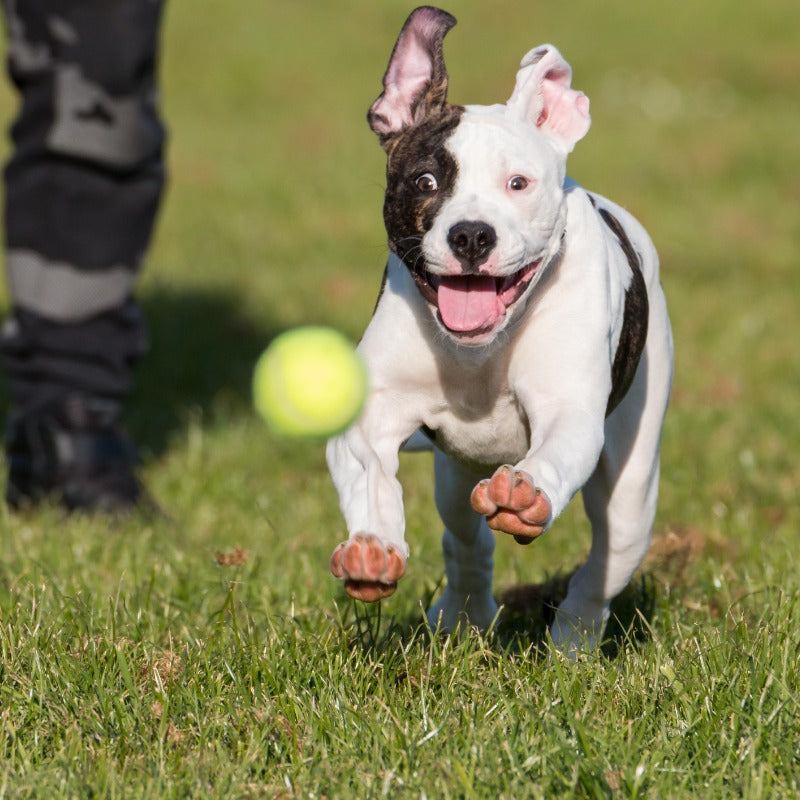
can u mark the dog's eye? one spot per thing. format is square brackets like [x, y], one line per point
[427, 183]
[517, 183]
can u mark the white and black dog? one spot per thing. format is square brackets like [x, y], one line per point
[521, 328]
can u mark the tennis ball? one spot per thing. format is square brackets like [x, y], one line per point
[309, 382]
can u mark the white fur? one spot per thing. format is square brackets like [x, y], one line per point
[531, 393]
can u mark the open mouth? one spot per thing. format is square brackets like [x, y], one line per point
[470, 305]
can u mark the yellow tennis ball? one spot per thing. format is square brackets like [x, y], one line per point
[311, 382]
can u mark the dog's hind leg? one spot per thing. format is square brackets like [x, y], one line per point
[468, 547]
[620, 499]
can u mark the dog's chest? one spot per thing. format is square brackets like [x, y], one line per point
[478, 421]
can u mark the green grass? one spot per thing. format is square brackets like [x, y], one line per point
[211, 654]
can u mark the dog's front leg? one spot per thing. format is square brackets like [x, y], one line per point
[523, 499]
[363, 463]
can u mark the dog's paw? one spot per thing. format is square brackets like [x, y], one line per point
[369, 566]
[578, 627]
[512, 504]
[455, 610]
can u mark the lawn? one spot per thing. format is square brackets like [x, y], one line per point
[210, 654]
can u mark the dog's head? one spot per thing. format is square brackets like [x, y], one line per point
[474, 199]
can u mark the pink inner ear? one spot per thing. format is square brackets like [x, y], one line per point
[411, 69]
[395, 104]
[565, 110]
[408, 73]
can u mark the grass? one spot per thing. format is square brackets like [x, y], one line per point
[211, 655]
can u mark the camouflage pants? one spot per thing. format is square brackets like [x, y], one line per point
[81, 193]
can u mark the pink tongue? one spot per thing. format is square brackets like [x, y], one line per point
[469, 303]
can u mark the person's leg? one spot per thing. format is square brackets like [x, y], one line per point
[81, 194]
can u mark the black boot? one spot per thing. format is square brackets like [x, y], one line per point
[72, 451]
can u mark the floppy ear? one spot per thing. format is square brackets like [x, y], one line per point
[415, 83]
[542, 95]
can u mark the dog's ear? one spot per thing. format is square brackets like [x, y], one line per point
[542, 95]
[415, 83]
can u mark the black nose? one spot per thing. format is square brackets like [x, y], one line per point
[471, 242]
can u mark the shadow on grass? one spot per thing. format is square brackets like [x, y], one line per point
[527, 610]
[202, 350]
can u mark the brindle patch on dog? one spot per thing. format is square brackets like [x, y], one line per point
[635, 316]
[634, 322]
[409, 212]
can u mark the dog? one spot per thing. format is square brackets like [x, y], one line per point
[521, 329]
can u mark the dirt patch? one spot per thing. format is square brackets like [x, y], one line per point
[673, 550]
[167, 667]
[233, 558]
